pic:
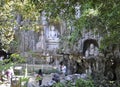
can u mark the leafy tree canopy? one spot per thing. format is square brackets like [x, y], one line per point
[100, 15]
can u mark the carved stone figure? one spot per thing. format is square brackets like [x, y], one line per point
[86, 53]
[91, 54]
[53, 34]
[41, 42]
[77, 10]
[91, 51]
[44, 22]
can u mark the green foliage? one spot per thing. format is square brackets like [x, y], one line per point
[7, 63]
[58, 85]
[4, 65]
[24, 80]
[79, 83]
[99, 15]
[6, 36]
[10, 9]
[17, 58]
[84, 83]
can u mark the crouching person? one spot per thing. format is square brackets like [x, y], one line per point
[56, 78]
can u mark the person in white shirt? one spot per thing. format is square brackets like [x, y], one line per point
[64, 69]
[1, 58]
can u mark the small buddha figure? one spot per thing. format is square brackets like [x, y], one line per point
[43, 17]
[86, 53]
[91, 51]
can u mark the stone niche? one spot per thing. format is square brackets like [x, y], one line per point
[88, 41]
[90, 48]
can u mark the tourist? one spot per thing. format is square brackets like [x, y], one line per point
[10, 73]
[56, 77]
[64, 69]
[39, 77]
[1, 58]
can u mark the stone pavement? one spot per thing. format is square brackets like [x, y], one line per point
[33, 83]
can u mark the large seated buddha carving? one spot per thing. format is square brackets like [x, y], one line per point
[53, 35]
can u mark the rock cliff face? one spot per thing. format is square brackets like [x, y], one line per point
[44, 43]
[82, 57]
[49, 41]
[28, 40]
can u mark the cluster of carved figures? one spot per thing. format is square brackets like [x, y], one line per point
[105, 64]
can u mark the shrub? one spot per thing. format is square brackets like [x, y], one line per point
[79, 83]
[58, 85]
[84, 83]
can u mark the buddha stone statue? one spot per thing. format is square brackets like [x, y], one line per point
[91, 51]
[53, 34]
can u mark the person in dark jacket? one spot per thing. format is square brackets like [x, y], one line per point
[40, 76]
